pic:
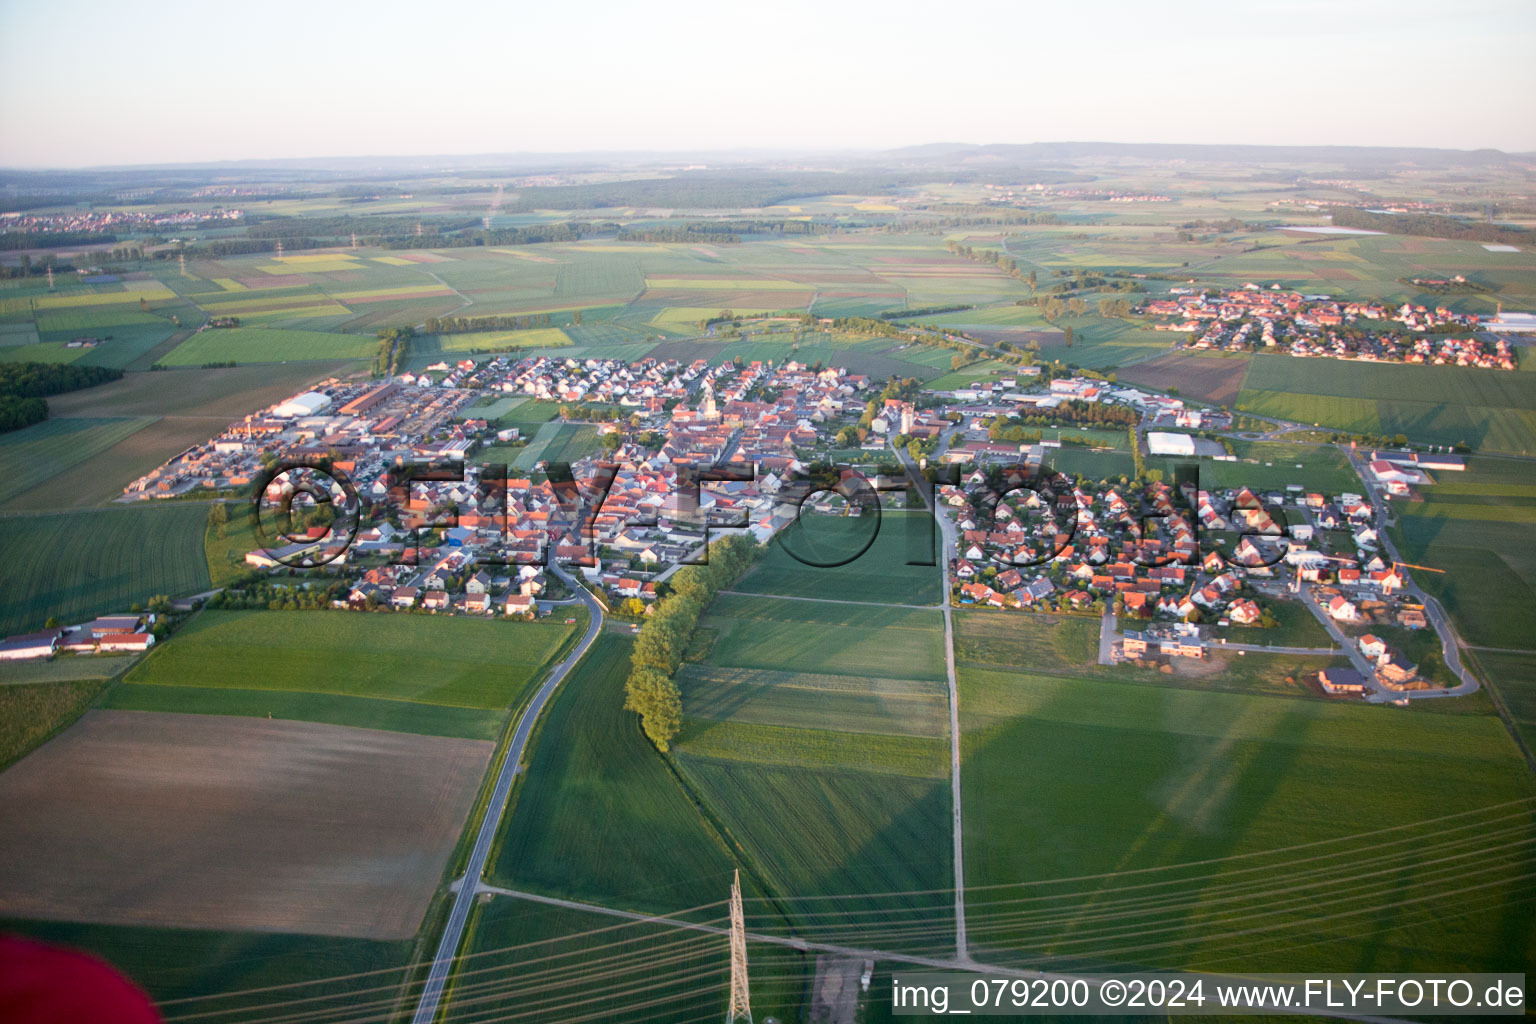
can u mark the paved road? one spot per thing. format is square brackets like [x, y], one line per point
[1450, 640]
[453, 934]
[1107, 637]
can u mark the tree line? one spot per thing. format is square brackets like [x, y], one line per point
[23, 387]
[1430, 225]
[394, 346]
[651, 689]
[471, 324]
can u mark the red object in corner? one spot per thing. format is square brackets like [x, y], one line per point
[43, 984]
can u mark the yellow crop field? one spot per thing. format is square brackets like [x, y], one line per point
[314, 267]
[410, 291]
[528, 256]
[152, 291]
[229, 284]
[313, 257]
[235, 307]
[726, 284]
[298, 312]
[393, 261]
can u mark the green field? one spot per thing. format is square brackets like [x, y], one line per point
[880, 574]
[1487, 409]
[1273, 465]
[76, 565]
[1172, 821]
[226, 974]
[815, 736]
[841, 639]
[422, 659]
[1476, 525]
[540, 963]
[268, 345]
[599, 817]
[44, 450]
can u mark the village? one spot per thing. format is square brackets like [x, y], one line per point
[1252, 318]
[439, 516]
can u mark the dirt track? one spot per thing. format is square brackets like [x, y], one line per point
[208, 821]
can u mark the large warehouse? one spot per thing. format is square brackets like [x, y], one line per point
[1165, 443]
[307, 404]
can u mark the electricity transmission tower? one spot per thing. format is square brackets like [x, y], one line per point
[741, 1004]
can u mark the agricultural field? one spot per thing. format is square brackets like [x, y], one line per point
[855, 639]
[268, 345]
[392, 804]
[1207, 798]
[815, 738]
[186, 409]
[558, 442]
[76, 565]
[1215, 380]
[1487, 409]
[228, 972]
[451, 661]
[32, 711]
[880, 574]
[599, 817]
[1512, 676]
[551, 964]
[35, 454]
[1477, 526]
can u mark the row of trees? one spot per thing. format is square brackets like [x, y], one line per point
[651, 689]
[469, 324]
[394, 346]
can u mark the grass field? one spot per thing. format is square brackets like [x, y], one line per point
[42, 451]
[267, 345]
[1111, 786]
[444, 660]
[880, 574]
[1274, 465]
[1487, 409]
[558, 442]
[77, 565]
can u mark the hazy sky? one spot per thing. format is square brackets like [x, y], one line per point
[98, 82]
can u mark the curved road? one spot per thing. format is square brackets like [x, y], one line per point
[453, 934]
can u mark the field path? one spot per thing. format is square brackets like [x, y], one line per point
[464, 300]
[962, 952]
[471, 884]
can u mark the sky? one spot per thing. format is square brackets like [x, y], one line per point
[129, 82]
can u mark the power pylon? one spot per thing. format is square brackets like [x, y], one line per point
[741, 1002]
